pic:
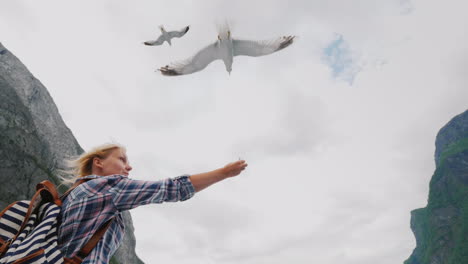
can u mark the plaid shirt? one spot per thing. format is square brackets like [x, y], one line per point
[94, 202]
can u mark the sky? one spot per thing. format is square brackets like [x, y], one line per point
[338, 129]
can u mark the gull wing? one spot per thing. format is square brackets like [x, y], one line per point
[260, 48]
[196, 63]
[156, 42]
[178, 34]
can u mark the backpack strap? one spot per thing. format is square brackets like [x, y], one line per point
[94, 240]
[49, 192]
[90, 245]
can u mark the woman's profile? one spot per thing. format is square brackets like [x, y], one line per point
[105, 190]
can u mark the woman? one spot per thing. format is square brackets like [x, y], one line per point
[108, 191]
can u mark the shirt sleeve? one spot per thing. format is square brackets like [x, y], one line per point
[127, 193]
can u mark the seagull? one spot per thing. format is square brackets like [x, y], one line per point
[225, 48]
[167, 36]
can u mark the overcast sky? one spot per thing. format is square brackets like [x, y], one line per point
[338, 129]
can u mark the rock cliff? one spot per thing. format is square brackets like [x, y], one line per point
[441, 228]
[34, 141]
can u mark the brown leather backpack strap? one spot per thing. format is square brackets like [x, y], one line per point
[49, 192]
[74, 260]
[90, 245]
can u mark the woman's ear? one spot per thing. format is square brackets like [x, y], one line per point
[97, 162]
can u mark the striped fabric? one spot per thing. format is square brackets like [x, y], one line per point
[11, 220]
[37, 243]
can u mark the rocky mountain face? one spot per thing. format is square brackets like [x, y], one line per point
[34, 141]
[441, 228]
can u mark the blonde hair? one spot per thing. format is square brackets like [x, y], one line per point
[83, 165]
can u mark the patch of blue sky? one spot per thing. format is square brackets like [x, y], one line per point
[339, 57]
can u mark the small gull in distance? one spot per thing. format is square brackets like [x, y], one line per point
[167, 36]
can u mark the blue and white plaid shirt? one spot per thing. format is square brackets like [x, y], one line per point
[94, 202]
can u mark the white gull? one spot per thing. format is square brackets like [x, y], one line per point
[225, 48]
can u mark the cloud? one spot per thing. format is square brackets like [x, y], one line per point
[299, 126]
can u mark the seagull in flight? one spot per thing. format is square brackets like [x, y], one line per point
[167, 36]
[225, 48]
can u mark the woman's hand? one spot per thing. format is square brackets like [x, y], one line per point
[202, 180]
[234, 168]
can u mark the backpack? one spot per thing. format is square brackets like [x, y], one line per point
[28, 230]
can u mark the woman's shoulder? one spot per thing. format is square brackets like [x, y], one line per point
[101, 181]
[96, 184]
[95, 178]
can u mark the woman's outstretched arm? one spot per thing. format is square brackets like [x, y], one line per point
[202, 180]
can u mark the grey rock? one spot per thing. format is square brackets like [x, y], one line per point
[127, 250]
